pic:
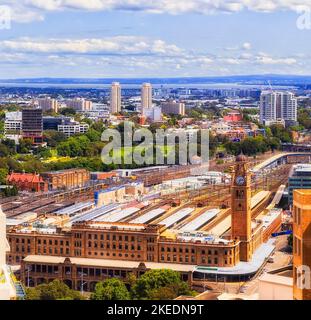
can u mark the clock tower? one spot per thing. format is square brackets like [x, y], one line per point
[241, 216]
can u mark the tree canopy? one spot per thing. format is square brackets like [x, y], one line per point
[110, 289]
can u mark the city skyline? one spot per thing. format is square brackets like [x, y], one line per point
[152, 39]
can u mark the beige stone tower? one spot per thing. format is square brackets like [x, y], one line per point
[241, 207]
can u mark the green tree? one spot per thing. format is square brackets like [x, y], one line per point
[55, 290]
[3, 174]
[53, 137]
[68, 112]
[110, 289]
[148, 285]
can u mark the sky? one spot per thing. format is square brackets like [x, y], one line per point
[153, 38]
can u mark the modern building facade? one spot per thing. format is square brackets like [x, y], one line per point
[146, 96]
[299, 178]
[115, 98]
[72, 128]
[278, 105]
[32, 125]
[173, 107]
[302, 244]
[52, 123]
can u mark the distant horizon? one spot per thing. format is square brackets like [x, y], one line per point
[209, 77]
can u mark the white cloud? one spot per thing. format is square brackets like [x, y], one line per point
[246, 46]
[119, 45]
[34, 9]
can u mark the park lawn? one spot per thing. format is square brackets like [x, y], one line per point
[125, 151]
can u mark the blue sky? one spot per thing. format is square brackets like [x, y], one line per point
[162, 38]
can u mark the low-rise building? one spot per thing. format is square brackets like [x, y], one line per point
[73, 128]
[66, 179]
[31, 182]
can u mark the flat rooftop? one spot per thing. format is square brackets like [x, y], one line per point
[126, 264]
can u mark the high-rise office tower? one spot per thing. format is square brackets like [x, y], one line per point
[302, 244]
[146, 96]
[278, 105]
[32, 124]
[115, 98]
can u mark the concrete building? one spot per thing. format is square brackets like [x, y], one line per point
[32, 125]
[276, 105]
[275, 287]
[115, 98]
[73, 127]
[302, 244]
[79, 104]
[13, 126]
[52, 123]
[146, 96]
[173, 107]
[299, 178]
[47, 104]
[153, 114]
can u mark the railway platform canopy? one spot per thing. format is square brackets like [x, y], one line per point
[243, 271]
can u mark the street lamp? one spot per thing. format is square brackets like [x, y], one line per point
[28, 278]
[82, 283]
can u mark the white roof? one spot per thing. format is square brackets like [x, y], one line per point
[119, 215]
[176, 217]
[148, 216]
[201, 220]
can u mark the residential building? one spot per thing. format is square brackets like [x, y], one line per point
[276, 105]
[153, 114]
[302, 244]
[173, 107]
[47, 104]
[146, 96]
[79, 104]
[115, 98]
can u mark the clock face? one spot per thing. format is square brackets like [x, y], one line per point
[240, 180]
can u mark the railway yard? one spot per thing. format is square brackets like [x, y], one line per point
[205, 209]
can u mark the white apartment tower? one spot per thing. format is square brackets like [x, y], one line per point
[115, 98]
[278, 105]
[146, 96]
